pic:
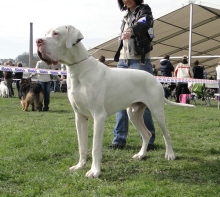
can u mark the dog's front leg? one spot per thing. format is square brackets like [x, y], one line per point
[99, 125]
[82, 134]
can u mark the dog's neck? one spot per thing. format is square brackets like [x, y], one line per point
[76, 54]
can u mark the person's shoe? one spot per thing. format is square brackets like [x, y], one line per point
[150, 147]
[117, 146]
[45, 109]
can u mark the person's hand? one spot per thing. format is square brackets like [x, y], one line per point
[126, 34]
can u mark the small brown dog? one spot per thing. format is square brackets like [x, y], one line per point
[31, 93]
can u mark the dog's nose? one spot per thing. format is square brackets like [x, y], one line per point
[39, 41]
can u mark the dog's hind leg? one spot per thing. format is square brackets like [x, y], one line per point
[35, 105]
[41, 98]
[82, 134]
[32, 106]
[158, 113]
[135, 114]
[26, 104]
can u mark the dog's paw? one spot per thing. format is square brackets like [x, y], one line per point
[139, 156]
[93, 173]
[78, 166]
[170, 156]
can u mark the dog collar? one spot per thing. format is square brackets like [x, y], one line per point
[79, 61]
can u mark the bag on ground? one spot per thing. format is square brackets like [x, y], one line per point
[184, 98]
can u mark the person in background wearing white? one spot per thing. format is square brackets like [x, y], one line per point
[44, 80]
[182, 70]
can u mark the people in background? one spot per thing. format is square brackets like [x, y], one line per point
[1, 73]
[102, 59]
[204, 73]
[155, 71]
[63, 84]
[8, 78]
[18, 76]
[182, 70]
[197, 70]
[166, 69]
[130, 58]
[44, 80]
[55, 80]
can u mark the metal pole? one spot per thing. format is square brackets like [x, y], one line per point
[190, 31]
[31, 46]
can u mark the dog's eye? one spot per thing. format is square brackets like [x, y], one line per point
[55, 34]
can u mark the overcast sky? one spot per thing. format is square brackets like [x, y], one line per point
[98, 20]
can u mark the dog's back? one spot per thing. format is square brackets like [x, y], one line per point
[38, 96]
[36, 88]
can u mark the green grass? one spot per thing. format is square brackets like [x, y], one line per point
[37, 149]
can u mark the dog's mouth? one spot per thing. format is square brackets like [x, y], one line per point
[46, 59]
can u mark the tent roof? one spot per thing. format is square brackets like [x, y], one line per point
[172, 37]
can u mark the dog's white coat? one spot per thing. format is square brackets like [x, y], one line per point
[4, 91]
[97, 91]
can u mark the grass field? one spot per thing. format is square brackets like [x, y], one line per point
[37, 149]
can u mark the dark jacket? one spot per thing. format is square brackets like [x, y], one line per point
[166, 68]
[18, 75]
[197, 72]
[140, 43]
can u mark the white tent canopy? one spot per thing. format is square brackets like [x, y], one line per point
[173, 31]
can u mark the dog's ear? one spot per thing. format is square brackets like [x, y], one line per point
[73, 36]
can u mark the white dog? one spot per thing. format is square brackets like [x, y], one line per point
[96, 91]
[4, 92]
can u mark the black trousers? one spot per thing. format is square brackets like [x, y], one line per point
[182, 88]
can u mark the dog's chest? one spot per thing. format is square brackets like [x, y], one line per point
[78, 102]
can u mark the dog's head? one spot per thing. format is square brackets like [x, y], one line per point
[25, 81]
[56, 42]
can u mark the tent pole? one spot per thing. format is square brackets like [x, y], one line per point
[190, 31]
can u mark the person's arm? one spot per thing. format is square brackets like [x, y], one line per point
[171, 67]
[37, 66]
[176, 71]
[190, 72]
[143, 22]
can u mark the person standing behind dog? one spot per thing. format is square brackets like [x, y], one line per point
[135, 25]
[44, 80]
[18, 76]
[182, 70]
[166, 69]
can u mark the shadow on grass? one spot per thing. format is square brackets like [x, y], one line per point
[60, 111]
[189, 170]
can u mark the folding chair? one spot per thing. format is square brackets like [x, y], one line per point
[200, 92]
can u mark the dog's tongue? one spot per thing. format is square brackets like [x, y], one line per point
[55, 62]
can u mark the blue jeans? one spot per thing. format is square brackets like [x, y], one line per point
[46, 92]
[121, 127]
[55, 84]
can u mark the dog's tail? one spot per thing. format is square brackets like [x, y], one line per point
[177, 104]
